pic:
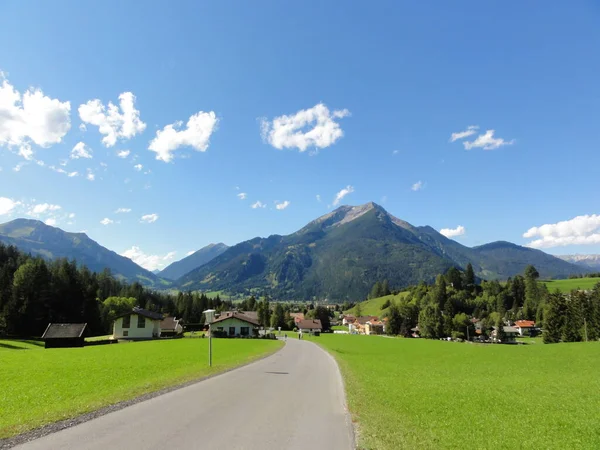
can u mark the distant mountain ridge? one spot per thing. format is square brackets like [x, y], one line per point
[586, 261]
[180, 268]
[341, 254]
[39, 239]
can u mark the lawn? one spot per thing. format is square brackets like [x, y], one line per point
[413, 393]
[569, 285]
[373, 306]
[39, 386]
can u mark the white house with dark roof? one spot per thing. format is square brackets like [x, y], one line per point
[236, 324]
[137, 324]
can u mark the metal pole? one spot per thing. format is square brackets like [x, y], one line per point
[209, 345]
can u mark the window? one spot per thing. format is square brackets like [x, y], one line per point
[141, 322]
[126, 321]
[231, 331]
[125, 333]
[245, 331]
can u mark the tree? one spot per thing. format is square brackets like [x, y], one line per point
[394, 324]
[385, 288]
[278, 317]
[289, 321]
[554, 318]
[264, 312]
[430, 321]
[386, 304]
[500, 334]
[531, 273]
[358, 310]
[322, 313]
[469, 278]
[454, 278]
[440, 295]
[448, 318]
[461, 326]
[377, 290]
[573, 319]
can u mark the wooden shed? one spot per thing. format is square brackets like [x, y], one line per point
[61, 335]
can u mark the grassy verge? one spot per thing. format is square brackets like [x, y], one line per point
[39, 386]
[442, 395]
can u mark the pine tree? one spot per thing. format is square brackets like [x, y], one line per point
[394, 324]
[573, 322]
[469, 278]
[553, 318]
[500, 334]
[385, 288]
[448, 318]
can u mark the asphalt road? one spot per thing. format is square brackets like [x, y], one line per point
[293, 399]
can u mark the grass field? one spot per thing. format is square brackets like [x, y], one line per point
[373, 307]
[569, 285]
[442, 395]
[39, 386]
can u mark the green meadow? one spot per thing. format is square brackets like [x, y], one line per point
[373, 306]
[39, 386]
[413, 393]
[571, 284]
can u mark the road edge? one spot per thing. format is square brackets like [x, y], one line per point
[54, 427]
[352, 429]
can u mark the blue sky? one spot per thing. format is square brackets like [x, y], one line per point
[395, 79]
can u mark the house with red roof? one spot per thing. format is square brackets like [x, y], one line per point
[524, 327]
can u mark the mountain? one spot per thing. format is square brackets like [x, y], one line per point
[341, 254]
[205, 254]
[586, 261]
[37, 238]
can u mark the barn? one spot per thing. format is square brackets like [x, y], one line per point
[61, 335]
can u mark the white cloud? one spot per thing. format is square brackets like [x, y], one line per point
[395, 152]
[31, 118]
[289, 131]
[19, 166]
[258, 204]
[470, 131]
[81, 151]
[122, 210]
[242, 195]
[199, 128]
[319, 198]
[106, 221]
[487, 142]
[7, 205]
[90, 175]
[417, 186]
[113, 122]
[282, 205]
[138, 167]
[453, 232]
[82, 127]
[72, 174]
[340, 195]
[123, 154]
[43, 208]
[149, 218]
[190, 253]
[72, 216]
[148, 262]
[51, 222]
[581, 230]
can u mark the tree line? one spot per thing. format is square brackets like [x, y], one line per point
[447, 307]
[35, 292]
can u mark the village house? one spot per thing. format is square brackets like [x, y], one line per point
[137, 324]
[298, 317]
[524, 327]
[348, 319]
[61, 335]
[236, 324]
[374, 326]
[170, 326]
[510, 334]
[310, 326]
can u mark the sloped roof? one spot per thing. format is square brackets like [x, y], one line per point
[236, 315]
[309, 324]
[364, 319]
[144, 313]
[525, 323]
[169, 323]
[64, 330]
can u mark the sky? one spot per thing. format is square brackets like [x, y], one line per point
[161, 127]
